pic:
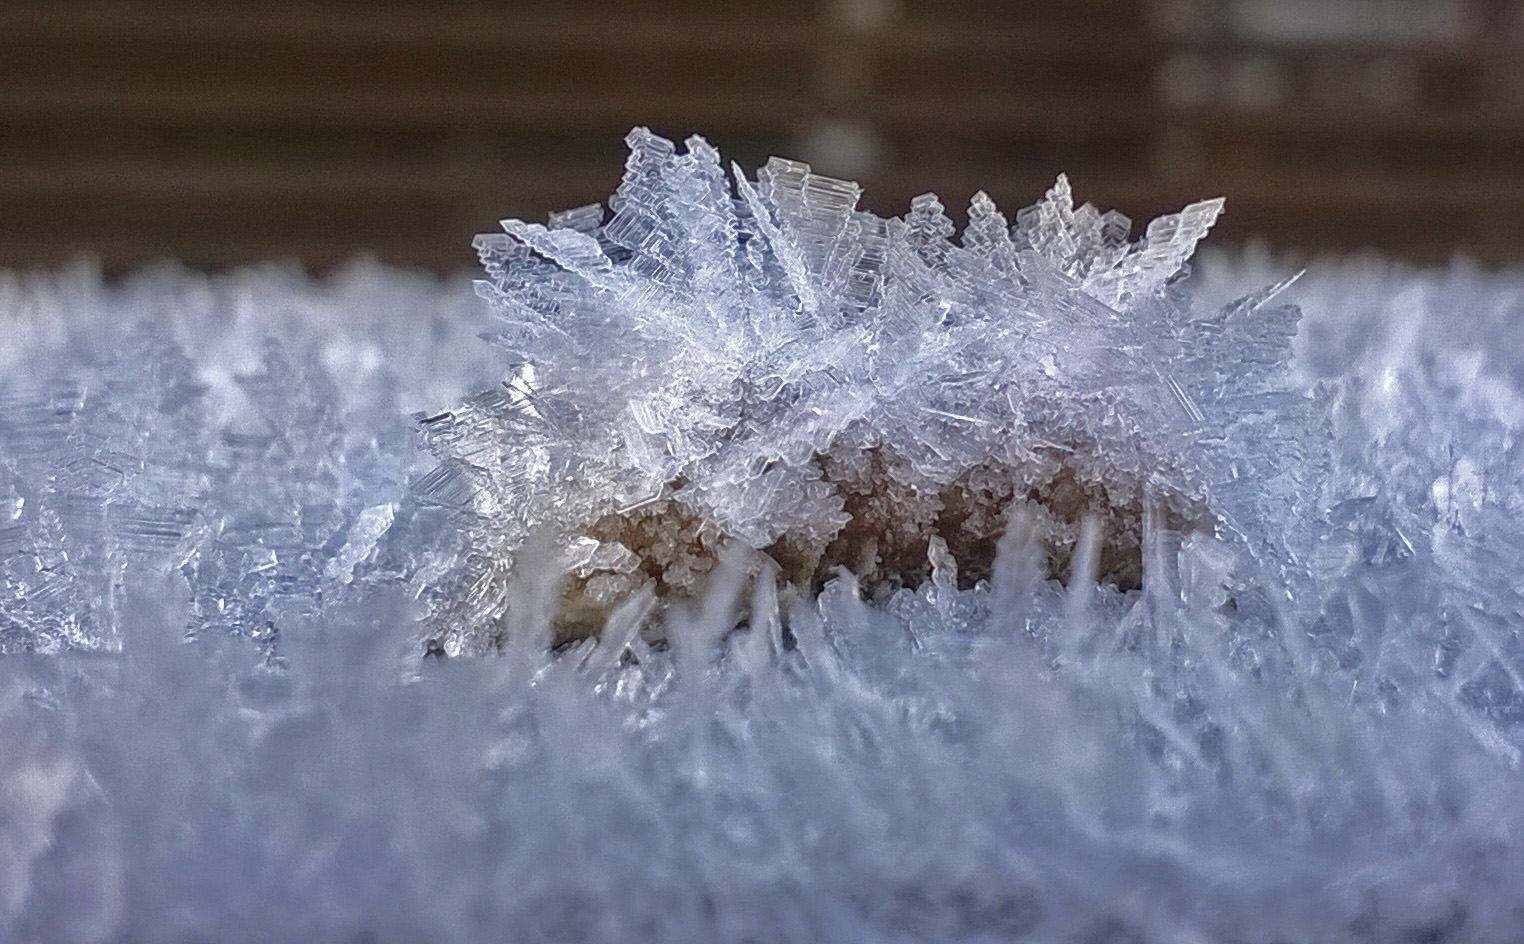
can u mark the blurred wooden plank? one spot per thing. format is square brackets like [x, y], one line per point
[410, 71]
[445, 107]
[188, 180]
[1101, 12]
[1468, 52]
[458, 27]
[442, 107]
[1295, 120]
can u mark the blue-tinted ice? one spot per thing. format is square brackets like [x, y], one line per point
[233, 510]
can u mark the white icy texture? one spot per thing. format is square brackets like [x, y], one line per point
[717, 334]
[246, 432]
[1305, 727]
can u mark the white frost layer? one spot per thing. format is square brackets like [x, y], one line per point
[1305, 730]
[734, 349]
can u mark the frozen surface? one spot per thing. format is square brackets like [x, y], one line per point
[225, 545]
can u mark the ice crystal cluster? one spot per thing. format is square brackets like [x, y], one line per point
[785, 573]
[761, 363]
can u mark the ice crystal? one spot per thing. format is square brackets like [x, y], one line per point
[758, 361]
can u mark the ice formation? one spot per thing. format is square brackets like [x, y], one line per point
[764, 364]
[248, 434]
[1004, 586]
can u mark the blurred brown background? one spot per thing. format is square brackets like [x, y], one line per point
[220, 133]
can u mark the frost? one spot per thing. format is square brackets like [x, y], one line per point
[368, 528]
[848, 579]
[757, 361]
[247, 433]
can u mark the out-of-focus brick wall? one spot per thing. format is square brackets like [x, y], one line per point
[224, 133]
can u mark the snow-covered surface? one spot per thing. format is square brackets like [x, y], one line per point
[223, 544]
